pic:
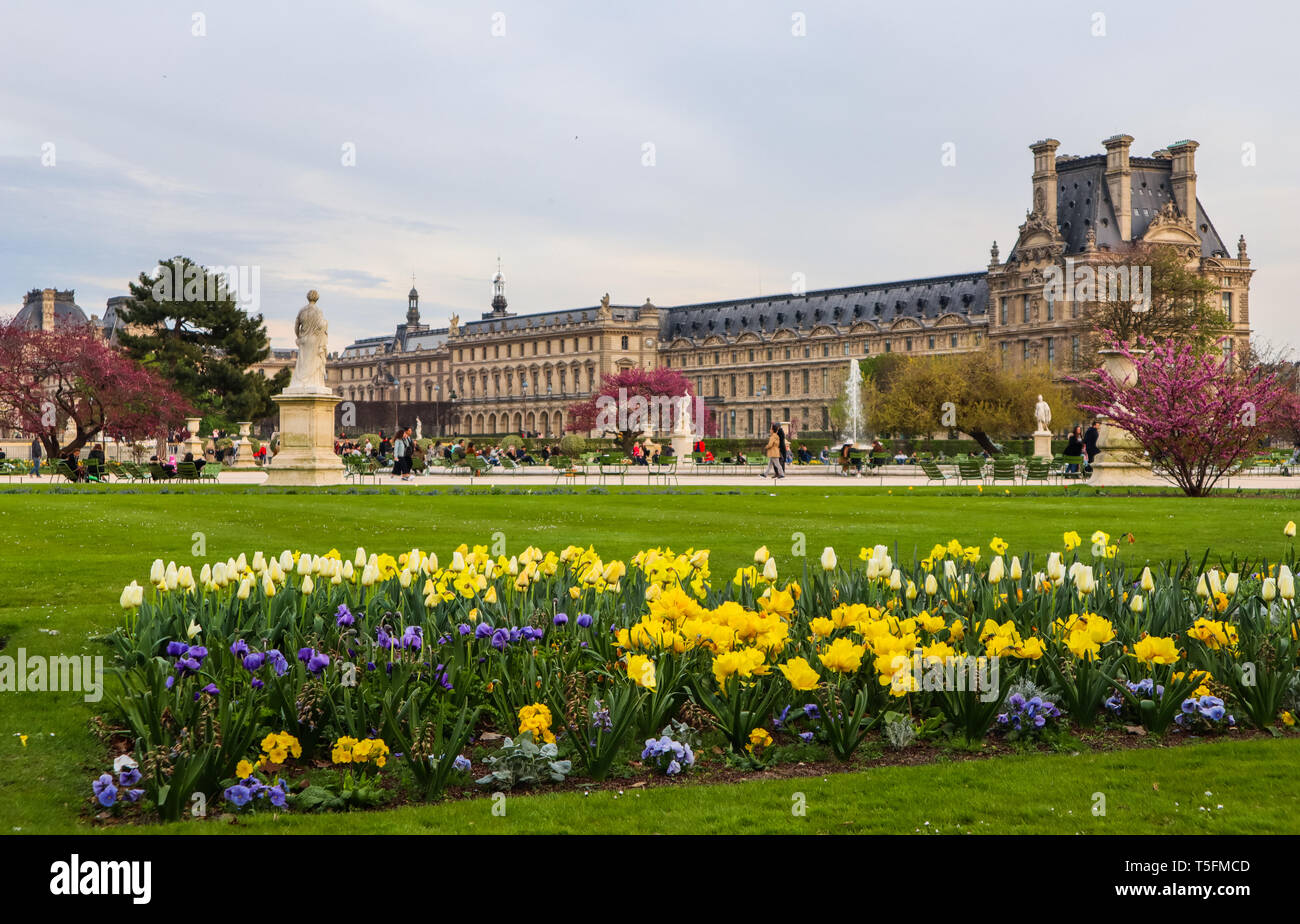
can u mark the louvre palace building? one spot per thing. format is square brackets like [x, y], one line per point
[784, 357]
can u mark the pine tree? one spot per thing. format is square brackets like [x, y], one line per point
[184, 322]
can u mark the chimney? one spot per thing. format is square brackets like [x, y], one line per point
[1182, 178]
[47, 309]
[1119, 182]
[1045, 178]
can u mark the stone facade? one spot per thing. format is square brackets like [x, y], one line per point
[784, 357]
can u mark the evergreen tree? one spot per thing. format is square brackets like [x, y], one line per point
[184, 322]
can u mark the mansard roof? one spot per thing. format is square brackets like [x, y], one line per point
[1083, 201]
[881, 303]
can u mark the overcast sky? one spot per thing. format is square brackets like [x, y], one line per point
[773, 153]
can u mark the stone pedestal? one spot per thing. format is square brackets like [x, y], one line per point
[194, 443]
[306, 454]
[1117, 451]
[682, 446]
[1043, 444]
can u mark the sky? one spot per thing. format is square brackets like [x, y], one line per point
[677, 151]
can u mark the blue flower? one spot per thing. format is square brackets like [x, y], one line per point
[500, 638]
[561, 619]
[344, 616]
[176, 649]
[128, 777]
[807, 737]
[482, 630]
[318, 662]
[278, 662]
[461, 764]
[584, 620]
[104, 790]
[413, 637]
[239, 795]
[239, 647]
[464, 628]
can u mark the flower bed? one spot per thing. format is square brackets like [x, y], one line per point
[310, 682]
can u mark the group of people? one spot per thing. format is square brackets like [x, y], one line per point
[1082, 445]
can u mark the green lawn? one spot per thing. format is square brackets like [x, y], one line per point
[1156, 791]
[68, 553]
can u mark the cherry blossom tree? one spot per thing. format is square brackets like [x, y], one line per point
[635, 400]
[1195, 417]
[70, 374]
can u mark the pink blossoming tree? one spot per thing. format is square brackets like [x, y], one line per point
[1196, 419]
[634, 400]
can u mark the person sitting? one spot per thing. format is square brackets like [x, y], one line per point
[825, 455]
[804, 455]
[708, 457]
[848, 464]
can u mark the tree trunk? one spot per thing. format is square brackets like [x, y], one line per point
[982, 438]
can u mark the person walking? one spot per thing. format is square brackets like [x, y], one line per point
[401, 455]
[773, 452]
[36, 455]
[785, 456]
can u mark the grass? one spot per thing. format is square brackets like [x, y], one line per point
[1155, 791]
[69, 552]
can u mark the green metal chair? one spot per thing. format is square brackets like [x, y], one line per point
[1038, 470]
[970, 470]
[933, 472]
[1004, 470]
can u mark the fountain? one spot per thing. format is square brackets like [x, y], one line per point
[855, 425]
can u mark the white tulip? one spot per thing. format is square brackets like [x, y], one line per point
[828, 559]
[304, 564]
[205, 575]
[457, 563]
[1230, 585]
[896, 580]
[1285, 583]
[348, 570]
[911, 590]
[307, 585]
[997, 571]
[245, 588]
[404, 578]
[286, 561]
[169, 576]
[1055, 568]
[259, 562]
[761, 555]
[1269, 590]
[950, 569]
[241, 563]
[769, 569]
[1202, 588]
[1215, 586]
[157, 572]
[1015, 569]
[360, 558]
[132, 596]
[931, 585]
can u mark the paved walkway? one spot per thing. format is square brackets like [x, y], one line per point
[902, 476]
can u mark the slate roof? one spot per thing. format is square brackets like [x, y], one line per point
[1083, 201]
[965, 295]
[66, 310]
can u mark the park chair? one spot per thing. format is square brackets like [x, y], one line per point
[1004, 470]
[510, 466]
[1038, 470]
[612, 465]
[970, 470]
[210, 472]
[11, 468]
[157, 472]
[663, 469]
[117, 470]
[477, 465]
[564, 469]
[933, 472]
[187, 471]
[1063, 463]
[880, 459]
[61, 469]
[93, 470]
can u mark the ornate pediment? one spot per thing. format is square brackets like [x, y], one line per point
[1169, 227]
[1039, 240]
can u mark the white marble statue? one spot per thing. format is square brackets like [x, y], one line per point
[682, 425]
[312, 334]
[1042, 414]
[419, 430]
